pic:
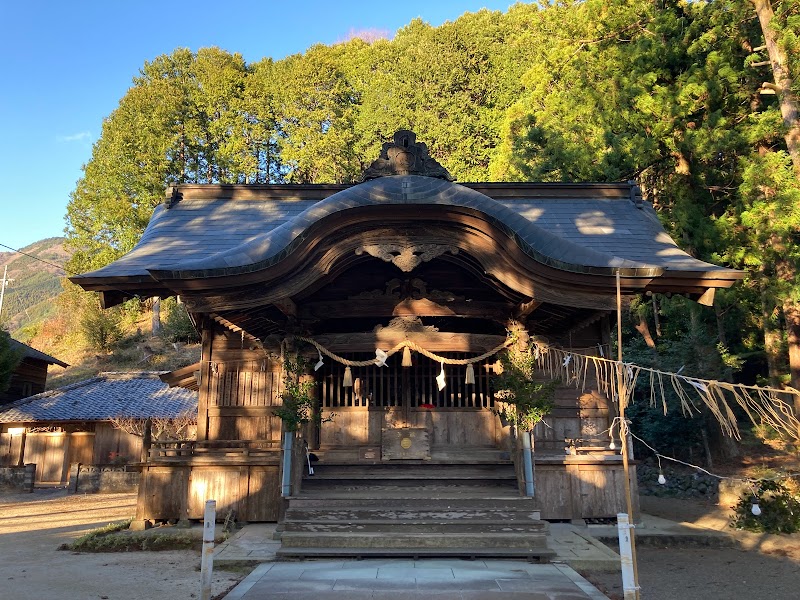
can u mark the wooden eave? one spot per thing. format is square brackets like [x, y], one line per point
[185, 377]
[407, 307]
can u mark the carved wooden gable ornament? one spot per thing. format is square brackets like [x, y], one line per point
[406, 257]
[405, 156]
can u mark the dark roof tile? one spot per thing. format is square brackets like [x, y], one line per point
[204, 236]
[136, 395]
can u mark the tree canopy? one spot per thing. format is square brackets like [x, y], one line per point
[682, 96]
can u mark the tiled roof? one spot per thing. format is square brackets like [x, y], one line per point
[198, 228]
[136, 395]
[614, 228]
[581, 230]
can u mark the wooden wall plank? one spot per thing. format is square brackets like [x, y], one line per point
[205, 396]
[163, 493]
[554, 493]
[219, 483]
[81, 447]
[350, 426]
[47, 451]
[263, 494]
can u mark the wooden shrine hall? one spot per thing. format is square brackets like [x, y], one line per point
[388, 288]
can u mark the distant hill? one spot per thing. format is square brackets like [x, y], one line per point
[28, 297]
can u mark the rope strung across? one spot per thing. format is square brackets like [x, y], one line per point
[379, 360]
[762, 405]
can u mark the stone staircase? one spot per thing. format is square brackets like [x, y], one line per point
[413, 510]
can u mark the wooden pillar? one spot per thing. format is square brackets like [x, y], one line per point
[65, 462]
[205, 380]
[625, 440]
[23, 437]
[147, 439]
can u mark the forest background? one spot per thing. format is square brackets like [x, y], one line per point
[691, 99]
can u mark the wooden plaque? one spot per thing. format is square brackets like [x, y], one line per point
[406, 443]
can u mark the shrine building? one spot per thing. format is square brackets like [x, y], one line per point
[399, 292]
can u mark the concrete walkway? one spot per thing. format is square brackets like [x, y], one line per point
[448, 579]
[444, 579]
[576, 547]
[33, 525]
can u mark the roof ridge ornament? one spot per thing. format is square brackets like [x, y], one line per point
[635, 193]
[173, 196]
[405, 156]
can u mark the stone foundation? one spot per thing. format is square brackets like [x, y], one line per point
[17, 479]
[678, 484]
[103, 479]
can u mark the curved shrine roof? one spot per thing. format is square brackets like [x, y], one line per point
[218, 230]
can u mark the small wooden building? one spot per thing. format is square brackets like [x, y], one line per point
[407, 257]
[73, 424]
[30, 375]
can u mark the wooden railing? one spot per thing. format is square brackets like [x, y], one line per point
[187, 448]
[589, 446]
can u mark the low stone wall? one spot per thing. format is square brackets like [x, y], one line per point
[17, 479]
[678, 484]
[103, 479]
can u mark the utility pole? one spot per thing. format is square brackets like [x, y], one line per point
[3, 291]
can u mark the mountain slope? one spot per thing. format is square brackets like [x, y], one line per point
[32, 285]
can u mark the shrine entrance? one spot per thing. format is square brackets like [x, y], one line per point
[396, 412]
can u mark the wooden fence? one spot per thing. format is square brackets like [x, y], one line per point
[54, 451]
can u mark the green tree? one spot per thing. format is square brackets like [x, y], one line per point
[101, 328]
[181, 122]
[178, 326]
[771, 188]
[10, 357]
[315, 107]
[782, 42]
[671, 94]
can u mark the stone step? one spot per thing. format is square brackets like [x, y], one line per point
[409, 471]
[325, 503]
[472, 553]
[400, 539]
[397, 528]
[392, 514]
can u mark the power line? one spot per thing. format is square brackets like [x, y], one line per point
[47, 262]
[63, 268]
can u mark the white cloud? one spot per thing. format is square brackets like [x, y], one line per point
[83, 136]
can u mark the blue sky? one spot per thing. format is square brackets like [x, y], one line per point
[68, 64]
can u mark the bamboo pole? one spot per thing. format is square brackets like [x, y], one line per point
[622, 392]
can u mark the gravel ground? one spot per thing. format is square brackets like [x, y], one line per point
[759, 566]
[708, 574]
[32, 526]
